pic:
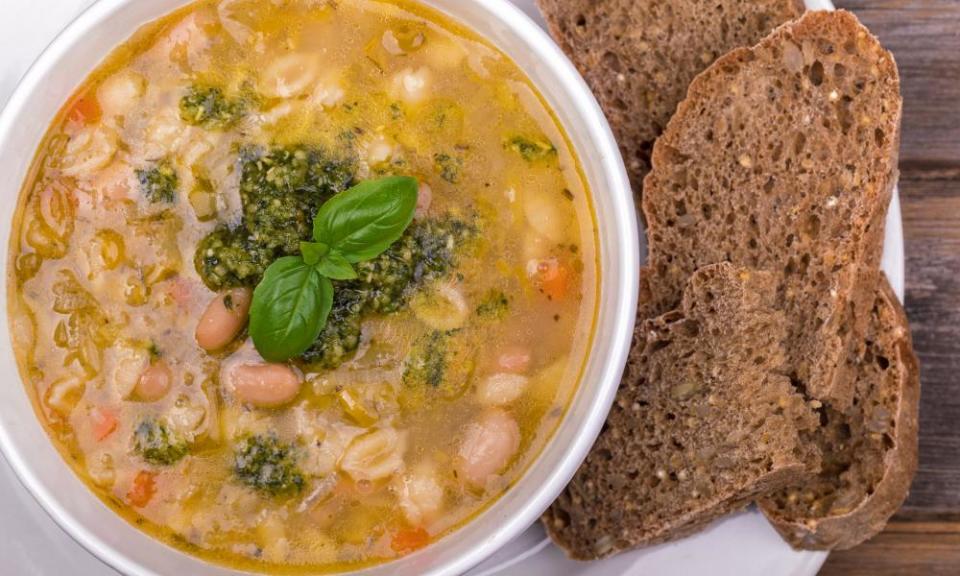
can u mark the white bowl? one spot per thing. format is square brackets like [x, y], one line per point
[67, 62]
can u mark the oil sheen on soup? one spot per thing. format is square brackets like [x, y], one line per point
[191, 163]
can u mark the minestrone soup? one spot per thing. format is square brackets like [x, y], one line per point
[303, 285]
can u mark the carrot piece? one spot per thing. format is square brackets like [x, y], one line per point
[143, 489]
[553, 278]
[104, 422]
[408, 540]
[85, 109]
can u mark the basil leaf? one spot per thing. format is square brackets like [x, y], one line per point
[336, 267]
[313, 252]
[365, 220]
[290, 308]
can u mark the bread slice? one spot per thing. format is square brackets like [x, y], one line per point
[704, 423]
[869, 451]
[783, 157]
[639, 56]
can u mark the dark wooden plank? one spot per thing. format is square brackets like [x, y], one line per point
[904, 549]
[924, 36]
[931, 218]
[924, 537]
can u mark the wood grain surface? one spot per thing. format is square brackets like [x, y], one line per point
[924, 36]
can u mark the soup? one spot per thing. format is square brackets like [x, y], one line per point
[303, 285]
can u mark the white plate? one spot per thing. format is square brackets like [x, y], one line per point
[31, 544]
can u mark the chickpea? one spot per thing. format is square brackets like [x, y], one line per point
[224, 318]
[264, 385]
[488, 445]
[154, 382]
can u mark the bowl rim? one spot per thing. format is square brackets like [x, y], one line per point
[516, 23]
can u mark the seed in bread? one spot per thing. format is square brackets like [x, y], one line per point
[783, 158]
[704, 422]
[869, 451]
[639, 56]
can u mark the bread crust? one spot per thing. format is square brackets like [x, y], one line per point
[639, 56]
[841, 531]
[856, 261]
[704, 423]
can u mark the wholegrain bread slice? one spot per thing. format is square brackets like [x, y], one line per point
[783, 157]
[704, 422]
[869, 450]
[639, 56]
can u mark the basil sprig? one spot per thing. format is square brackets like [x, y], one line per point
[292, 302]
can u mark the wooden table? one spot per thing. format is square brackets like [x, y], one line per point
[924, 35]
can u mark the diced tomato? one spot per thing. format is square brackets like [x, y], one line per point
[143, 489]
[553, 277]
[85, 109]
[104, 422]
[408, 540]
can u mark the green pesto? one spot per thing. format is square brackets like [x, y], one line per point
[209, 108]
[427, 363]
[156, 444]
[448, 167]
[493, 306]
[281, 191]
[427, 251]
[159, 182]
[532, 149]
[268, 465]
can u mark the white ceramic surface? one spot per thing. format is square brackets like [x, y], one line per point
[31, 544]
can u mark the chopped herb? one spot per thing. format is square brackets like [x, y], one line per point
[532, 149]
[159, 182]
[268, 465]
[428, 362]
[494, 305]
[448, 166]
[438, 367]
[156, 444]
[281, 191]
[210, 108]
[154, 350]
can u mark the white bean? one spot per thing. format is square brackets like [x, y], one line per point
[154, 382]
[488, 446]
[420, 494]
[374, 456]
[501, 389]
[224, 318]
[263, 385]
